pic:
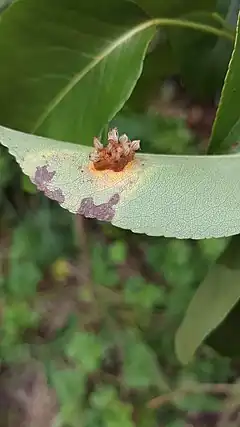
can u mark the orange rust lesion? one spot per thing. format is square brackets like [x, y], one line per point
[116, 157]
[111, 173]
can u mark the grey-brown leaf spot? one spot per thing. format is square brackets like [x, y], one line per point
[42, 177]
[55, 195]
[103, 212]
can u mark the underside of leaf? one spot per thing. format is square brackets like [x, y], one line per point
[160, 195]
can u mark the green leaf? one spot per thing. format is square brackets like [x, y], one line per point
[140, 365]
[201, 60]
[233, 136]
[175, 196]
[118, 252]
[70, 390]
[67, 76]
[103, 272]
[23, 278]
[68, 383]
[17, 317]
[225, 338]
[223, 135]
[214, 299]
[86, 350]
[158, 65]
[120, 414]
[103, 396]
[174, 8]
[141, 294]
[27, 185]
[110, 409]
[211, 249]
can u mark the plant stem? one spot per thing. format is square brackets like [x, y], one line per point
[192, 389]
[194, 26]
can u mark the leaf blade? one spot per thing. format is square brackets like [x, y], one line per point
[174, 8]
[69, 64]
[136, 50]
[170, 195]
[229, 108]
[68, 76]
[218, 294]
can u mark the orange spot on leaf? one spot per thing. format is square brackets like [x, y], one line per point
[118, 153]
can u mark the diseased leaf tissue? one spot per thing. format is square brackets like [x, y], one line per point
[119, 152]
[160, 195]
[112, 158]
[116, 155]
[42, 178]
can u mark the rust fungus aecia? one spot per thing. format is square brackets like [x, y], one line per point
[118, 152]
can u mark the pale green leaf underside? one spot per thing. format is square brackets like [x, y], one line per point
[160, 195]
[213, 300]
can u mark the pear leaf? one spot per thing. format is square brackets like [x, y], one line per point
[160, 195]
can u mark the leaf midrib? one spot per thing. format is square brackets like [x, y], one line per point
[114, 45]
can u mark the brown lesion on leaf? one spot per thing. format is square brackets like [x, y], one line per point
[42, 178]
[55, 195]
[103, 212]
[116, 155]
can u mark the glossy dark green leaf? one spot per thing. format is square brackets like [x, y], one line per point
[214, 299]
[67, 76]
[173, 8]
[225, 338]
[233, 136]
[158, 65]
[201, 60]
[229, 107]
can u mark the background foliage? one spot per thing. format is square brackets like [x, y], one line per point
[98, 325]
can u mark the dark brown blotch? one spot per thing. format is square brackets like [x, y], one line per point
[103, 212]
[41, 179]
[43, 176]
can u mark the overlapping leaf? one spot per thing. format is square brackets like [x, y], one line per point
[173, 8]
[66, 76]
[225, 130]
[220, 290]
[202, 61]
[219, 295]
[213, 300]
